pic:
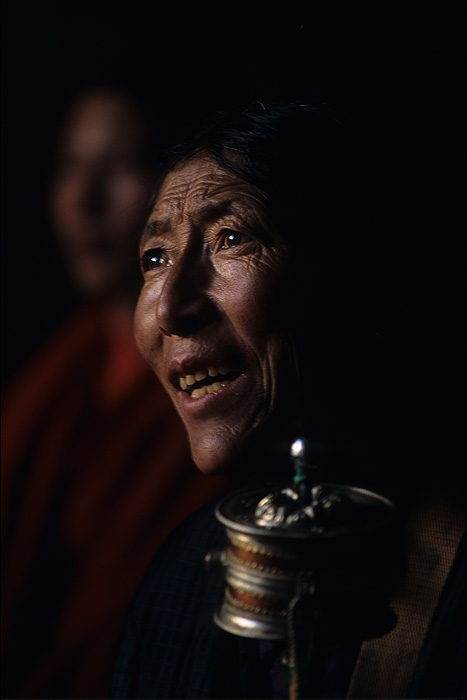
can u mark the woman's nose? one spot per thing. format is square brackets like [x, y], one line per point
[184, 306]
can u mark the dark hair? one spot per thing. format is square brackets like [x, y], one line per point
[305, 159]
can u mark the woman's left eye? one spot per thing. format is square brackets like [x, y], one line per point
[230, 238]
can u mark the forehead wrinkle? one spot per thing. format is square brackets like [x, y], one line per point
[201, 185]
[208, 181]
[200, 197]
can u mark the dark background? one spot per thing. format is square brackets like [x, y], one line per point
[404, 65]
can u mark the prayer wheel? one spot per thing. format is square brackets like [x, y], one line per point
[334, 549]
[306, 561]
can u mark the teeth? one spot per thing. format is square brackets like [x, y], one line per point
[214, 387]
[189, 379]
[203, 390]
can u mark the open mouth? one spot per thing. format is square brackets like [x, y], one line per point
[206, 381]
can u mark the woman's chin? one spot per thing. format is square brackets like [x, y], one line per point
[215, 457]
[223, 451]
[244, 454]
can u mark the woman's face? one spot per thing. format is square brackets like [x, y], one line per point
[99, 195]
[209, 314]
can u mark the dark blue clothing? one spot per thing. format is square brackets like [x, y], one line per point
[172, 647]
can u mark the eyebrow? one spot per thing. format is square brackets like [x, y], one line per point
[152, 228]
[206, 214]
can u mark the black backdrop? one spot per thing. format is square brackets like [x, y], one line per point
[402, 62]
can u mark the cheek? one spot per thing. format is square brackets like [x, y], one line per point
[145, 328]
[250, 299]
[260, 311]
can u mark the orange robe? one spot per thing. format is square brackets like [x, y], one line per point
[96, 473]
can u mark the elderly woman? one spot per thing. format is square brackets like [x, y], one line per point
[257, 313]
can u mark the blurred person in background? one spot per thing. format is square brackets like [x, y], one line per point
[96, 466]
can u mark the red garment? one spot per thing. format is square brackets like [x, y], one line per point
[96, 473]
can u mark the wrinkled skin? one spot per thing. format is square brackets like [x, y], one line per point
[100, 190]
[212, 266]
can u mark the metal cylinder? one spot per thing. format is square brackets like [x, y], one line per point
[334, 546]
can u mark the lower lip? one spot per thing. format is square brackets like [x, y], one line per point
[215, 403]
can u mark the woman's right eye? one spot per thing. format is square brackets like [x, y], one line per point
[155, 258]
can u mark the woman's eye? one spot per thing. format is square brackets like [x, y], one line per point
[230, 239]
[155, 258]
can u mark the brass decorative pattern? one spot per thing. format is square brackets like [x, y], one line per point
[271, 570]
[258, 549]
[256, 609]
